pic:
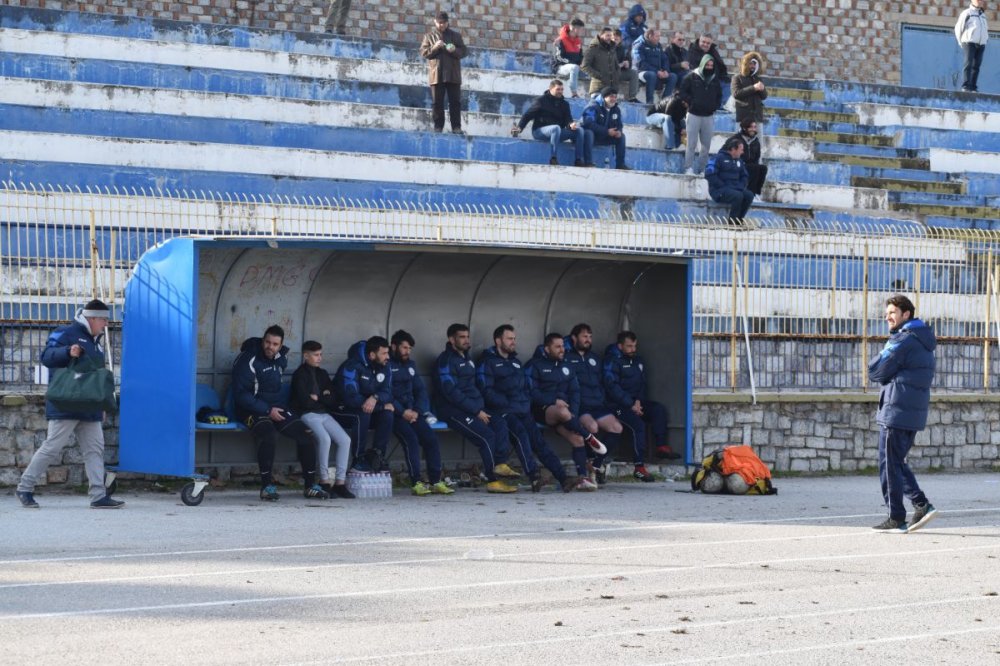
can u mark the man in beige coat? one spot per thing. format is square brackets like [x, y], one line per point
[444, 49]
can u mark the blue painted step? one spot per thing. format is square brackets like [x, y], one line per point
[858, 149]
[941, 199]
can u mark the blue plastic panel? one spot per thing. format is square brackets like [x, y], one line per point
[158, 362]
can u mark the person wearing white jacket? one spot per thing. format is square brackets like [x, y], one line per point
[972, 34]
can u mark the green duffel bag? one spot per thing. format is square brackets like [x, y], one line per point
[83, 386]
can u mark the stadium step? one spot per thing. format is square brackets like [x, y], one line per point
[941, 210]
[804, 94]
[840, 137]
[903, 185]
[808, 114]
[872, 161]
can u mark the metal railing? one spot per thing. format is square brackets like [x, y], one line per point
[799, 301]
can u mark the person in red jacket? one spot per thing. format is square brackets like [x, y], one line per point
[568, 54]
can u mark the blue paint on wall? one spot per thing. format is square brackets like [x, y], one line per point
[932, 58]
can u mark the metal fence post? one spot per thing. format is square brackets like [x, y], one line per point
[987, 319]
[732, 326]
[864, 323]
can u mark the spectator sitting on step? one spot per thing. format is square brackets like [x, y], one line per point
[749, 92]
[705, 45]
[600, 61]
[602, 119]
[653, 65]
[552, 120]
[444, 49]
[626, 73]
[677, 53]
[700, 93]
[633, 27]
[751, 155]
[568, 54]
[727, 179]
[658, 116]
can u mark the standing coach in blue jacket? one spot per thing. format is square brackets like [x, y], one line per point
[905, 369]
[364, 391]
[461, 405]
[625, 382]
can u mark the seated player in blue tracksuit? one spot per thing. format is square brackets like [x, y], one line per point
[555, 401]
[625, 383]
[364, 393]
[502, 382]
[595, 414]
[410, 418]
[461, 405]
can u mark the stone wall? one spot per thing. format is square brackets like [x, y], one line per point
[791, 432]
[821, 39]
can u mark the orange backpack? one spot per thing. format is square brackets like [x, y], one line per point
[739, 460]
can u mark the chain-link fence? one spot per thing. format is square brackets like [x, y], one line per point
[794, 305]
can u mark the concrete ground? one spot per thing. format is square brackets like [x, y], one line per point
[636, 574]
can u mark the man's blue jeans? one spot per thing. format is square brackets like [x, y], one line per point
[556, 135]
[607, 140]
[652, 82]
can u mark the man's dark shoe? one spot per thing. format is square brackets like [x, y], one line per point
[667, 453]
[601, 475]
[438, 129]
[315, 492]
[554, 161]
[341, 491]
[921, 516]
[536, 482]
[588, 164]
[569, 485]
[642, 474]
[107, 502]
[624, 167]
[27, 500]
[269, 493]
[890, 525]
[578, 163]
[458, 131]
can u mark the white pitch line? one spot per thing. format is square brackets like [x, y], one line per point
[469, 586]
[460, 537]
[434, 560]
[654, 630]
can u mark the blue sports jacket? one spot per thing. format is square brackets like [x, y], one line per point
[408, 390]
[905, 369]
[502, 383]
[599, 119]
[550, 380]
[455, 382]
[257, 380]
[56, 356]
[357, 379]
[590, 375]
[725, 173]
[649, 57]
[624, 377]
[630, 30]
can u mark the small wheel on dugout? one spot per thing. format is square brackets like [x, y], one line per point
[188, 496]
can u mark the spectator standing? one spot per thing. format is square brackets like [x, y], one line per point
[701, 94]
[653, 65]
[626, 73]
[705, 45]
[633, 27]
[444, 49]
[749, 91]
[81, 338]
[569, 54]
[600, 61]
[602, 119]
[972, 33]
[336, 16]
[751, 155]
[727, 179]
[905, 371]
[551, 120]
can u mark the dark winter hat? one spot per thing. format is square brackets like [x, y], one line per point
[442, 16]
[96, 308]
[731, 143]
[608, 90]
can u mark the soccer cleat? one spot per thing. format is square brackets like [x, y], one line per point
[595, 445]
[667, 453]
[341, 491]
[642, 474]
[505, 471]
[27, 500]
[585, 485]
[269, 493]
[107, 502]
[420, 489]
[568, 485]
[600, 475]
[500, 487]
[536, 482]
[442, 488]
[315, 492]
[921, 516]
[890, 525]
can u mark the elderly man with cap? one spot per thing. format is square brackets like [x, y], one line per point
[444, 49]
[727, 178]
[602, 123]
[81, 338]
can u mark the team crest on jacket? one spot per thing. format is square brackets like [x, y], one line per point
[413, 372]
[640, 367]
[592, 361]
[380, 377]
[516, 364]
[565, 371]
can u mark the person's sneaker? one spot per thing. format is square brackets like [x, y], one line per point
[578, 163]
[596, 445]
[589, 165]
[601, 475]
[642, 474]
[269, 493]
[340, 490]
[689, 172]
[537, 483]
[315, 492]
[667, 453]
[591, 472]
[624, 167]
[107, 502]
[438, 129]
[27, 500]
[327, 487]
[568, 484]
[554, 161]
[361, 466]
[921, 516]
[442, 488]
[505, 471]
[890, 525]
[500, 487]
[458, 132]
[585, 485]
[420, 489]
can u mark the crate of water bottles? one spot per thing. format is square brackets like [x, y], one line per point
[367, 485]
